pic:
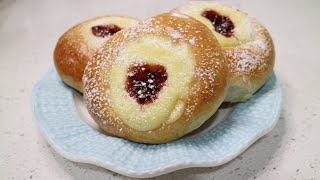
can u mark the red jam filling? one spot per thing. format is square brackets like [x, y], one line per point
[222, 24]
[105, 30]
[144, 81]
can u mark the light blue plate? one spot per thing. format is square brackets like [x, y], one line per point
[58, 118]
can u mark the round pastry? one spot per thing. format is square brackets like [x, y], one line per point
[157, 80]
[76, 46]
[247, 44]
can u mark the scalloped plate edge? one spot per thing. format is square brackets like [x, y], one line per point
[156, 172]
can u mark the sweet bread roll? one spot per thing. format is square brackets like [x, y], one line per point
[156, 81]
[76, 46]
[247, 44]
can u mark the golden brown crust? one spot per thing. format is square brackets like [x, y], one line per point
[74, 49]
[246, 77]
[207, 89]
[250, 60]
[69, 61]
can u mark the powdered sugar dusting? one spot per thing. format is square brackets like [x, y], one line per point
[193, 41]
[254, 55]
[208, 64]
[249, 55]
[173, 33]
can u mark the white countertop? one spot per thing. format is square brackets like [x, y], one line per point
[30, 29]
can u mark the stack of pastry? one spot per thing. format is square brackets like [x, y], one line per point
[156, 80]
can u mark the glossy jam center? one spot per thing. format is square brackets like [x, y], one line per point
[105, 30]
[222, 24]
[144, 81]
